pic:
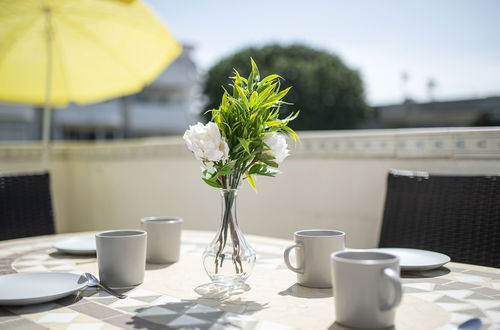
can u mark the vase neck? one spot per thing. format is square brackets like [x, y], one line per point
[228, 207]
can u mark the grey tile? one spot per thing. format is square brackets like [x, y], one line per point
[437, 280]
[459, 286]
[479, 296]
[133, 322]
[412, 290]
[209, 316]
[100, 312]
[483, 274]
[106, 300]
[21, 324]
[457, 269]
[178, 307]
[447, 299]
[147, 299]
[474, 312]
[132, 309]
[487, 291]
[160, 319]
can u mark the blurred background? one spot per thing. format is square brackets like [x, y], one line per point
[354, 65]
[380, 85]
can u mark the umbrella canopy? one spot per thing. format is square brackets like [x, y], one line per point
[57, 51]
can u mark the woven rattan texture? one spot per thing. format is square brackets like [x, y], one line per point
[25, 206]
[455, 215]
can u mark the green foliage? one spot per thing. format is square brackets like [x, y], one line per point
[329, 94]
[244, 117]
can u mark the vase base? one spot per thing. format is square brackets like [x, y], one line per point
[228, 280]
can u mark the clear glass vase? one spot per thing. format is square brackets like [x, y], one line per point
[229, 259]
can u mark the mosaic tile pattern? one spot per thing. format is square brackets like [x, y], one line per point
[462, 292]
[92, 309]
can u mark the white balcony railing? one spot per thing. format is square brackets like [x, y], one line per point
[331, 180]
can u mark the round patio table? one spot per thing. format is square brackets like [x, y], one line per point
[179, 296]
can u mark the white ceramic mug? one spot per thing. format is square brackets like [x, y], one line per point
[121, 257]
[313, 249]
[367, 288]
[164, 239]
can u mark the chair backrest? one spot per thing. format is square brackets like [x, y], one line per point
[455, 215]
[25, 205]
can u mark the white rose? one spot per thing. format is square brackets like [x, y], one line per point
[206, 142]
[279, 147]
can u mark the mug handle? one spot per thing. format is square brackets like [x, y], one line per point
[287, 258]
[396, 283]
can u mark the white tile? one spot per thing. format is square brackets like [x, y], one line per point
[58, 317]
[85, 326]
[32, 269]
[165, 300]
[142, 293]
[459, 318]
[459, 294]
[468, 278]
[494, 316]
[452, 307]
[421, 286]
[485, 304]
[27, 263]
[63, 268]
[427, 296]
[127, 302]
[55, 262]
[264, 325]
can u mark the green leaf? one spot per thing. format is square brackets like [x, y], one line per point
[262, 169]
[244, 143]
[251, 181]
[212, 183]
[253, 98]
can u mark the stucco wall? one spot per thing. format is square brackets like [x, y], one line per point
[332, 180]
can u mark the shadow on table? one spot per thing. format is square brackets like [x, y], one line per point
[441, 271]
[227, 298]
[61, 255]
[300, 291]
[158, 266]
[336, 326]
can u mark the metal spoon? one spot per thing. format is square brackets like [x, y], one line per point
[93, 282]
[472, 324]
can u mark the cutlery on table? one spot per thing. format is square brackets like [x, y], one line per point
[94, 282]
[472, 324]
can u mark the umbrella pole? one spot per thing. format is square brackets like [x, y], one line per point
[48, 90]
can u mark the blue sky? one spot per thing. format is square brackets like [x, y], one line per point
[455, 42]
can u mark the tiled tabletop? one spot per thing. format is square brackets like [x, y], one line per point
[178, 296]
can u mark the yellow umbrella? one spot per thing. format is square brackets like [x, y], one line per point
[57, 51]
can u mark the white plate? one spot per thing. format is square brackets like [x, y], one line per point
[413, 259]
[77, 245]
[34, 288]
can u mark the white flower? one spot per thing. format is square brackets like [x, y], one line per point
[206, 142]
[279, 147]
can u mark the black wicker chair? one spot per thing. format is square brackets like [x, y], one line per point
[455, 215]
[25, 205]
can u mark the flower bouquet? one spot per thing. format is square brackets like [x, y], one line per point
[244, 139]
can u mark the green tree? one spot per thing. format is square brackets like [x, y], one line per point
[328, 94]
